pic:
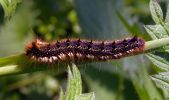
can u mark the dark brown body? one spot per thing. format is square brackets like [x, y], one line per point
[72, 50]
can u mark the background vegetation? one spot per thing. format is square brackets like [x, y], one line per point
[131, 78]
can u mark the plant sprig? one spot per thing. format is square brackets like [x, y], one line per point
[9, 6]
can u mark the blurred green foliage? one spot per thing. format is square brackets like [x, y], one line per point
[126, 79]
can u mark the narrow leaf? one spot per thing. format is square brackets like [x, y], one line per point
[160, 62]
[74, 83]
[150, 31]
[74, 89]
[9, 6]
[162, 80]
[61, 97]
[156, 31]
[156, 12]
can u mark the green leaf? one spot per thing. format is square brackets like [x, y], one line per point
[162, 80]
[74, 83]
[9, 6]
[156, 12]
[156, 31]
[61, 96]
[74, 89]
[160, 62]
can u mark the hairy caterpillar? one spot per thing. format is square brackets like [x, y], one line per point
[72, 50]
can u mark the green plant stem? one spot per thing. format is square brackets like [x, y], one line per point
[9, 69]
[149, 45]
[21, 64]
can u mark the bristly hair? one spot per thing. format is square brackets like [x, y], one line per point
[75, 50]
